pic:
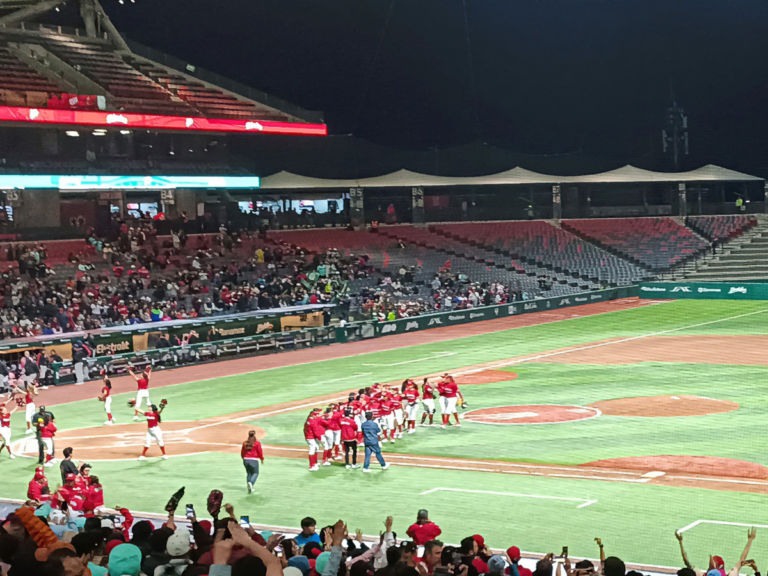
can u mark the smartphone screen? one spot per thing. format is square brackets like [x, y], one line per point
[245, 521]
[190, 511]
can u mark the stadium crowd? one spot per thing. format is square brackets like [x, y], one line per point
[72, 534]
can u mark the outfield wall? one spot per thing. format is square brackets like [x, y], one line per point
[704, 290]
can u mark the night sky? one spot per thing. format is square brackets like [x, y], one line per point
[545, 77]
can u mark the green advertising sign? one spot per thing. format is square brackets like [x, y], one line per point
[704, 290]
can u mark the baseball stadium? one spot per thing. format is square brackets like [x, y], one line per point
[538, 361]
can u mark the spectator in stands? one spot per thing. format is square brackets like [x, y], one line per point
[423, 529]
[307, 534]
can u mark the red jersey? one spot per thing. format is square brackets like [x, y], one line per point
[105, 391]
[48, 431]
[96, 496]
[255, 453]
[387, 407]
[318, 427]
[153, 419]
[398, 400]
[411, 396]
[356, 406]
[333, 423]
[34, 491]
[143, 383]
[5, 421]
[308, 433]
[348, 429]
[450, 389]
[428, 392]
[375, 408]
[423, 533]
[28, 398]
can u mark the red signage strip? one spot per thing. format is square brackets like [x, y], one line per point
[128, 121]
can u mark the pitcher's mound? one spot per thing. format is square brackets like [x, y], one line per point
[695, 465]
[664, 406]
[486, 377]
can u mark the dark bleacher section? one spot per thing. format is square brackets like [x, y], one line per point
[723, 228]
[130, 88]
[212, 102]
[655, 243]
[17, 75]
[544, 245]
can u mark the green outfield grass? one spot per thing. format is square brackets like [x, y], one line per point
[636, 521]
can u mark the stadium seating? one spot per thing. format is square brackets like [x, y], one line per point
[16, 75]
[655, 243]
[543, 244]
[723, 228]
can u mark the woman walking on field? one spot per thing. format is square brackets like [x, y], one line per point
[251, 453]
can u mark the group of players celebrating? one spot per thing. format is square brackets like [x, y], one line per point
[394, 408]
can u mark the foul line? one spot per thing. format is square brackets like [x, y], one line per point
[721, 522]
[584, 501]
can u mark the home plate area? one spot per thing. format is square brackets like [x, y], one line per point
[531, 414]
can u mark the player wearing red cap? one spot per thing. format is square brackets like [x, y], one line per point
[5, 428]
[36, 485]
[449, 391]
[142, 392]
[411, 405]
[106, 397]
[428, 400]
[47, 432]
[154, 432]
[312, 438]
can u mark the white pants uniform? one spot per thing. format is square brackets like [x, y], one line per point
[154, 434]
[29, 411]
[447, 405]
[5, 434]
[142, 395]
[80, 372]
[399, 415]
[327, 439]
[336, 437]
[48, 443]
[108, 404]
[43, 372]
[314, 446]
[429, 405]
[388, 422]
[411, 410]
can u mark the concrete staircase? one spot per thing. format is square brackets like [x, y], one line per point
[744, 258]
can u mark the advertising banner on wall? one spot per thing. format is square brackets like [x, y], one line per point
[704, 290]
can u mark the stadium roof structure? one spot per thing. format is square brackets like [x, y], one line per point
[121, 83]
[406, 178]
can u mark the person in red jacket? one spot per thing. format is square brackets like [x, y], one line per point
[251, 452]
[35, 489]
[313, 432]
[349, 437]
[47, 432]
[424, 529]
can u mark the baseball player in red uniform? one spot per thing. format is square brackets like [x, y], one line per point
[5, 428]
[142, 393]
[428, 400]
[449, 392]
[154, 432]
[397, 399]
[411, 404]
[47, 432]
[387, 417]
[106, 397]
[314, 435]
[337, 414]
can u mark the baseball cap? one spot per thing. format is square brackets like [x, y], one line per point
[70, 477]
[513, 552]
[719, 562]
[479, 539]
[111, 545]
[206, 525]
[496, 564]
[107, 523]
[292, 571]
[125, 560]
[321, 561]
[178, 543]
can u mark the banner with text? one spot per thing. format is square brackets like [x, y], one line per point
[704, 290]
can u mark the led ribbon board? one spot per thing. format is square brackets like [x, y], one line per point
[127, 121]
[96, 182]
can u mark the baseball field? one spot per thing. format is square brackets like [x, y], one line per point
[625, 420]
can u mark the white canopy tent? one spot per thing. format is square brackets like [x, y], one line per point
[406, 178]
